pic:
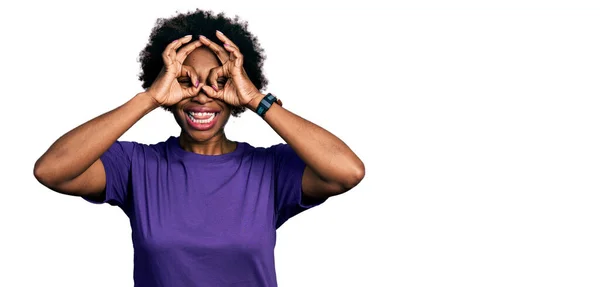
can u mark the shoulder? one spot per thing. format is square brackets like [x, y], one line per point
[271, 151]
[279, 155]
[136, 149]
[283, 157]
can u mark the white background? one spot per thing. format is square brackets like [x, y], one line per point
[477, 121]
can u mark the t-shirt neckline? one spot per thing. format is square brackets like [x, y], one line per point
[173, 143]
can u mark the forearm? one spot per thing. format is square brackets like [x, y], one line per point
[328, 156]
[78, 149]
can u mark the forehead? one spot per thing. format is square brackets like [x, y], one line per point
[202, 59]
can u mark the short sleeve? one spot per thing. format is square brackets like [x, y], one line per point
[117, 167]
[288, 171]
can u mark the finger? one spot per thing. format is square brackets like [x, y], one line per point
[187, 49]
[226, 40]
[170, 51]
[235, 55]
[213, 77]
[230, 48]
[218, 50]
[212, 93]
[187, 71]
[191, 90]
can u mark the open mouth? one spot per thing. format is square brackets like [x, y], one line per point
[201, 120]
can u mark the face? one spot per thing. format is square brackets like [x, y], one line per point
[201, 118]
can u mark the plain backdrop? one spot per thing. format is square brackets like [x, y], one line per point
[478, 122]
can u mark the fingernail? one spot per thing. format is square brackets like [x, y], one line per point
[187, 36]
[174, 41]
[202, 37]
[215, 87]
[197, 83]
[226, 45]
[219, 32]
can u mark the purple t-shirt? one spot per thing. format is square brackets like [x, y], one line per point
[202, 220]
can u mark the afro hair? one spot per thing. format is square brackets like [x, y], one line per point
[205, 23]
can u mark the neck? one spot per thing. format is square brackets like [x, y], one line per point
[217, 145]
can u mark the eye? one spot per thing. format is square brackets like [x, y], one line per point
[221, 81]
[184, 80]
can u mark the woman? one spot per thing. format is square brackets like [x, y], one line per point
[203, 209]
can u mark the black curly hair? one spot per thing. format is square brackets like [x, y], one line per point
[205, 23]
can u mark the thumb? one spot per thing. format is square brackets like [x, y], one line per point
[194, 85]
[209, 91]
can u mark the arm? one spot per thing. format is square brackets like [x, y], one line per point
[332, 167]
[72, 166]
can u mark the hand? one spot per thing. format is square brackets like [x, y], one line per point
[238, 90]
[167, 90]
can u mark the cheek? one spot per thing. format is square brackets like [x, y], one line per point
[225, 113]
[179, 118]
[224, 117]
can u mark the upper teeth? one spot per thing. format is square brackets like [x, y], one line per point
[193, 115]
[203, 114]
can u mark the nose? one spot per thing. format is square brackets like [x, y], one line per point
[201, 97]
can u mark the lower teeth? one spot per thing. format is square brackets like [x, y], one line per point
[201, 121]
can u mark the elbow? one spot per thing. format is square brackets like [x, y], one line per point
[42, 174]
[354, 176]
[39, 173]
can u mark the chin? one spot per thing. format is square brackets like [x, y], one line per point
[202, 136]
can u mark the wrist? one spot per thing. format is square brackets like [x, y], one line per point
[146, 101]
[263, 104]
[253, 104]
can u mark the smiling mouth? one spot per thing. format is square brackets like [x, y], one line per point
[201, 118]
